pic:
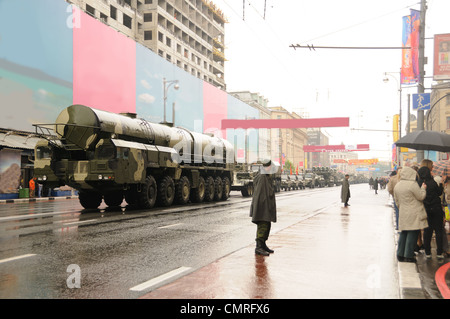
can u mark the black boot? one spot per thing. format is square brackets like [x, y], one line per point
[259, 250]
[264, 246]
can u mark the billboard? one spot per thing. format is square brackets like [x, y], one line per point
[58, 56]
[441, 57]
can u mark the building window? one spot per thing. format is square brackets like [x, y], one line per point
[168, 42]
[148, 1]
[148, 17]
[148, 35]
[113, 12]
[127, 21]
[90, 10]
[103, 17]
[160, 37]
[448, 122]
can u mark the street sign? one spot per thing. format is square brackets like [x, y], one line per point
[421, 101]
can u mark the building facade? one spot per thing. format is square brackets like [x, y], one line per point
[187, 33]
[319, 159]
[287, 144]
[260, 103]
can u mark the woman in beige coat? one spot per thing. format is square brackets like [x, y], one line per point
[412, 215]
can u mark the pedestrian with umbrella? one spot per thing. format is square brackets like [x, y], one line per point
[426, 140]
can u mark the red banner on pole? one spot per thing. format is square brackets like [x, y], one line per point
[410, 53]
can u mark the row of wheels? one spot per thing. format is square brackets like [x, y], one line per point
[165, 192]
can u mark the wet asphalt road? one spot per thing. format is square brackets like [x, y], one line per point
[117, 250]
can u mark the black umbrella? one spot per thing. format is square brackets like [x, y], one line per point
[426, 140]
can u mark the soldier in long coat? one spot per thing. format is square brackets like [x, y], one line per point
[263, 209]
[345, 191]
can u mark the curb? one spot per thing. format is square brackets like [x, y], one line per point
[37, 199]
[408, 274]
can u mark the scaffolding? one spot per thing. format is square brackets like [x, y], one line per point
[216, 11]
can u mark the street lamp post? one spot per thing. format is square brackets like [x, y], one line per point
[167, 85]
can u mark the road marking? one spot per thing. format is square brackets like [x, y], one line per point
[32, 216]
[168, 226]
[79, 222]
[16, 258]
[155, 281]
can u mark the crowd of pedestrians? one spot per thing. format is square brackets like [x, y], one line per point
[419, 203]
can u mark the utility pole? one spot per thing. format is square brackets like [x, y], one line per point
[422, 62]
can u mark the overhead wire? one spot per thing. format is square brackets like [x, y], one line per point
[275, 56]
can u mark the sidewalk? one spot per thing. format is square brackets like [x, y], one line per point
[334, 253]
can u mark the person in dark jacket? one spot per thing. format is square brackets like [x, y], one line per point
[345, 191]
[375, 185]
[263, 209]
[435, 214]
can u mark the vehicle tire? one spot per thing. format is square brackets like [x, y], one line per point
[183, 190]
[209, 189]
[90, 200]
[218, 188]
[226, 188]
[113, 199]
[166, 191]
[147, 197]
[250, 190]
[198, 194]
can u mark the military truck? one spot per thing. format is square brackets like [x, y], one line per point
[286, 183]
[112, 157]
[297, 181]
[313, 180]
[245, 173]
[243, 179]
[327, 176]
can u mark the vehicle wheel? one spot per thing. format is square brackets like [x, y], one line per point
[90, 200]
[226, 188]
[183, 190]
[113, 199]
[218, 189]
[166, 191]
[250, 190]
[209, 189]
[198, 194]
[147, 197]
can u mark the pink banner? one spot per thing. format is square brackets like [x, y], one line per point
[104, 67]
[286, 123]
[336, 148]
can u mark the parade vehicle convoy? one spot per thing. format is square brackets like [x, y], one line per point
[296, 181]
[112, 157]
[286, 183]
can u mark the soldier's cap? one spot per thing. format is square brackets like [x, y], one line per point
[270, 167]
[266, 162]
